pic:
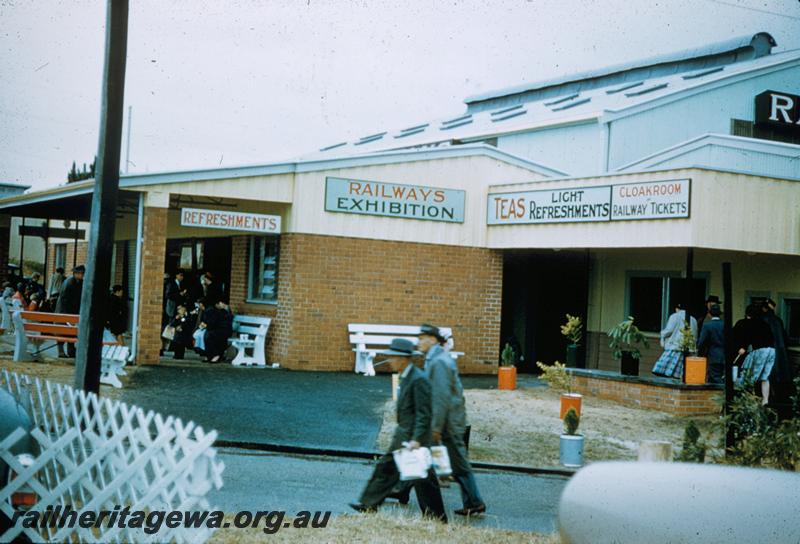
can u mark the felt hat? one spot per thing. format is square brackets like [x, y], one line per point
[400, 347]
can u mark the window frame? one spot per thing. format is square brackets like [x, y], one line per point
[784, 315]
[666, 311]
[250, 279]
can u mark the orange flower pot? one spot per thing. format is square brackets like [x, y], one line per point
[507, 378]
[570, 400]
[696, 370]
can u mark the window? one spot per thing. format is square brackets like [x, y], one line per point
[652, 297]
[791, 319]
[60, 256]
[264, 269]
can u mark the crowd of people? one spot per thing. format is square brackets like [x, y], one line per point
[195, 316]
[759, 342]
[63, 296]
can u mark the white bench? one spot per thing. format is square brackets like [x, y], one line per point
[369, 339]
[113, 361]
[250, 333]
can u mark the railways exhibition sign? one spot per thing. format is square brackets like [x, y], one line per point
[624, 202]
[394, 200]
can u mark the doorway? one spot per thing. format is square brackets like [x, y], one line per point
[539, 289]
[199, 255]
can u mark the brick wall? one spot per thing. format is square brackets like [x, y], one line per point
[240, 260]
[154, 239]
[326, 282]
[678, 399]
[599, 355]
[79, 258]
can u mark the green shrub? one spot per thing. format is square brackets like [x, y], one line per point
[571, 421]
[694, 450]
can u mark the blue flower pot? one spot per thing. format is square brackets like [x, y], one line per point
[572, 450]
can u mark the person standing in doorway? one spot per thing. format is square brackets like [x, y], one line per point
[54, 288]
[117, 317]
[449, 416]
[712, 344]
[69, 302]
[218, 325]
[184, 328]
[710, 301]
[670, 364]
[174, 295]
[782, 374]
[753, 332]
[413, 429]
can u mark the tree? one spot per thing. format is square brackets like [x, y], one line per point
[79, 175]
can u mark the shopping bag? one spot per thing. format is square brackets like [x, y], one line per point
[441, 461]
[412, 464]
[168, 333]
[199, 339]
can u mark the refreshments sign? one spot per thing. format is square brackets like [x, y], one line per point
[218, 219]
[394, 200]
[667, 199]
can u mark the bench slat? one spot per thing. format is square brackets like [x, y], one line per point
[251, 330]
[247, 319]
[51, 318]
[400, 330]
[374, 340]
[62, 330]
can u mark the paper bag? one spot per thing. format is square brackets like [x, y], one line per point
[441, 461]
[412, 464]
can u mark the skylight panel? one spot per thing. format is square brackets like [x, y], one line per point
[334, 146]
[370, 138]
[562, 99]
[459, 120]
[624, 87]
[415, 128]
[411, 131]
[702, 73]
[506, 110]
[572, 104]
[510, 115]
[466, 121]
[647, 90]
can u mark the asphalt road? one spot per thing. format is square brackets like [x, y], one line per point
[263, 481]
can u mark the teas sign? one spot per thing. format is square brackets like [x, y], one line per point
[217, 219]
[625, 202]
[394, 200]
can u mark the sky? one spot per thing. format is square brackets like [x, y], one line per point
[230, 83]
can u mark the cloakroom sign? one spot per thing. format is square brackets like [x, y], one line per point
[668, 199]
[361, 197]
[218, 219]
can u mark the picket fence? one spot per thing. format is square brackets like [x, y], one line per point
[97, 454]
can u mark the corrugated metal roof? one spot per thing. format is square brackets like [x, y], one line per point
[727, 46]
[571, 108]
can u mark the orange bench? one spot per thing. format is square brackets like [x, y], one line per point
[41, 326]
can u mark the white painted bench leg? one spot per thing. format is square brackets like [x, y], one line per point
[110, 378]
[240, 358]
[370, 370]
[259, 358]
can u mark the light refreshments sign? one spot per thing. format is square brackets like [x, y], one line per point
[394, 200]
[624, 202]
[218, 219]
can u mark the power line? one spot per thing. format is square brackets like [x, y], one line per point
[731, 4]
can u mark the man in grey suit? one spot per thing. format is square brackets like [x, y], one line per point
[712, 343]
[69, 302]
[449, 419]
[414, 429]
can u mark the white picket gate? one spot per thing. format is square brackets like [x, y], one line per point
[97, 454]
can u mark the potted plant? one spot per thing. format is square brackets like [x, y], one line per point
[695, 366]
[559, 379]
[572, 330]
[571, 446]
[507, 373]
[623, 340]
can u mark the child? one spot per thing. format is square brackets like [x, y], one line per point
[184, 327]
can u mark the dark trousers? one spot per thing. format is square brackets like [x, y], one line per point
[386, 477]
[462, 470]
[70, 348]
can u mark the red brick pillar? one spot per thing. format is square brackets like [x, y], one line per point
[151, 282]
[5, 243]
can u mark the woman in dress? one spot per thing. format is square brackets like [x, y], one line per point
[753, 332]
[670, 364]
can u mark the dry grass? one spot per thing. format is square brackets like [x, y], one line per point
[522, 427]
[382, 528]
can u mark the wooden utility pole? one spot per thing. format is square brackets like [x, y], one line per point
[730, 354]
[94, 298]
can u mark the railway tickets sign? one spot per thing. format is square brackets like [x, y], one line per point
[394, 200]
[667, 199]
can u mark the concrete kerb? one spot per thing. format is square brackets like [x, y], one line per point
[371, 455]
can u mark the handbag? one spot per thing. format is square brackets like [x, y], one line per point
[412, 464]
[441, 461]
[168, 333]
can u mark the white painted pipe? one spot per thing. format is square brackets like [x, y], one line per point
[631, 502]
[655, 450]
